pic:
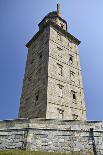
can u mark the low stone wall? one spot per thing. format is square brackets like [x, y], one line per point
[52, 135]
[13, 134]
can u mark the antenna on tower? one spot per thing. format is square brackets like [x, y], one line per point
[59, 9]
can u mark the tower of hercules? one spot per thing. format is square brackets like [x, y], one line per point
[52, 85]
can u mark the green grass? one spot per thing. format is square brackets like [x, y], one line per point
[12, 152]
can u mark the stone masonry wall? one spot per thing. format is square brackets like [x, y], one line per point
[33, 100]
[64, 79]
[52, 135]
[13, 134]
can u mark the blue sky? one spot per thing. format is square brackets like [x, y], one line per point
[19, 22]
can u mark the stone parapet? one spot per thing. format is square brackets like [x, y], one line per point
[52, 135]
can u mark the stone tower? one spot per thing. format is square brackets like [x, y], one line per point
[52, 86]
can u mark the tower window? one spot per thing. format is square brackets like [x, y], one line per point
[60, 69]
[71, 59]
[37, 96]
[73, 95]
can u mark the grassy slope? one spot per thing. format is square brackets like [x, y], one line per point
[11, 152]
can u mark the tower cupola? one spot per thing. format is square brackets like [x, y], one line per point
[55, 18]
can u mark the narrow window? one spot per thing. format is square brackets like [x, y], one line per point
[60, 69]
[36, 97]
[71, 60]
[73, 95]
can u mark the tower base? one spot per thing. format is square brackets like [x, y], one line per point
[52, 135]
